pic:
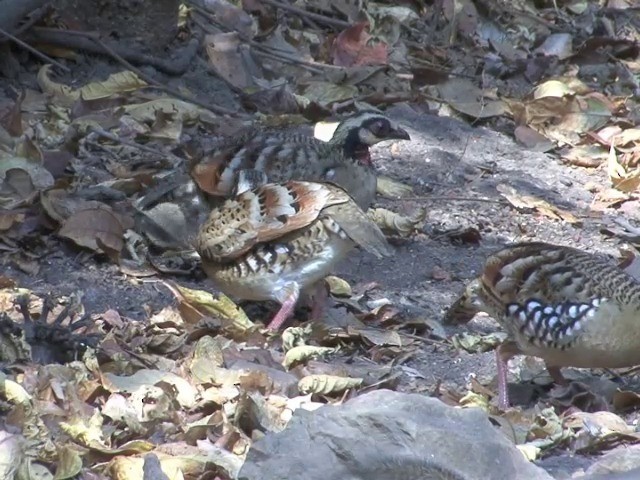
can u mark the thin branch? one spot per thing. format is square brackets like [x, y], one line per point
[80, 40]
[218, 110]
[34, 18]
[37, 53]
[313, 16]
[453, 199]
[292, 61]
[114, 138]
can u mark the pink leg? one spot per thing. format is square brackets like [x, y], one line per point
[320, 300]
[556, 374]
[503, 354]
[286, 310]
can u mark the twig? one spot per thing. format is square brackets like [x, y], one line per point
[291, 61]
[81, 40]
[453, 199]
[110, 136]
[14, 10]
[176, 93]
[34, 17]
[303, 13]
[37, 53]
[425, 339]
[273, 53]
[94, 37]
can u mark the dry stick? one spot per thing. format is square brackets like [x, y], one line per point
[171, 91]
[37, 53]
[425, 339]
[303, 13]
[79, 40]
[274, 53]
[291, 61]
[15, 10]
[288, 59]
[110, 136]
[35, 17]
[453, 199]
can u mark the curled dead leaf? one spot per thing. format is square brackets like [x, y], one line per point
[475, 400]
[390, 188]
[117, 83]
[302, 353]
[477, 343]
[338, 286]
[623, 180]
[195, 304]
[13, 392]
[396, 223]
[530, 451]
[327, 384]
[296, 336]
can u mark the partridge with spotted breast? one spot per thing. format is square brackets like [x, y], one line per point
[569, 307]
[285, 155]
[278, 240]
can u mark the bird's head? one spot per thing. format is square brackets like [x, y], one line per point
[364, 129]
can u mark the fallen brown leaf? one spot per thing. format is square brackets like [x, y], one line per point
[351, 48]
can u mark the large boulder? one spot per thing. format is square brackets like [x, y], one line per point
[386, 435]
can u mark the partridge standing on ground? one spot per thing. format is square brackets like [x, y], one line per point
[278, 240]
[286, 155]
[568, 307]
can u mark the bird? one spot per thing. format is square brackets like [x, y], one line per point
[287, 155]
[276, 241]
[569, 307]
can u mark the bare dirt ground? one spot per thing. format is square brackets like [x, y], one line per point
[454, 169]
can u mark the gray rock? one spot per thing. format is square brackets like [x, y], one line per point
[385, 435]
[622, 463]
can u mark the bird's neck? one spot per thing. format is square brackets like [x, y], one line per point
[351, 145]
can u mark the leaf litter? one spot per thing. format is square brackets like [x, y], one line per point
[196, 383]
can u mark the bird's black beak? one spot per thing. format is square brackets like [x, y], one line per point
[399, 133]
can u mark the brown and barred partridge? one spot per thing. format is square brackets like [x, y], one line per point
[566, 306]
[285, 155]
[276, 241]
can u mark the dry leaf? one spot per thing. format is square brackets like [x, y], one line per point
[351, 48]
[473, 343]
[229, 59]
[542, 206]
[327, 384]
[88, 228]
[622, 180]
[338, 287]
[302, 353]
[462, 95]
[394, 222]
[116, 83]
[195, 304]
[387, 187]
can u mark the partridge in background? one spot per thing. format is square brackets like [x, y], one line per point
[286, 155]
[566, 306]
[278, 240]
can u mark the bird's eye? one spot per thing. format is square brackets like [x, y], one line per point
[329, 174]
[380, 129]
